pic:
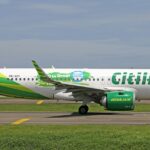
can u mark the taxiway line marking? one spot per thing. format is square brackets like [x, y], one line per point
[39, 102]
[20, 121]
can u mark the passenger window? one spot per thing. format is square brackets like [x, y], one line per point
[16, 79]
[20, 79]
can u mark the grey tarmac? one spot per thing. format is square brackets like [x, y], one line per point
[129, 118]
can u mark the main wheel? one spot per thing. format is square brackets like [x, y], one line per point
[83, 110]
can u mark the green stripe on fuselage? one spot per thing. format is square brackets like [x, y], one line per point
[19, 93]
[13, 89]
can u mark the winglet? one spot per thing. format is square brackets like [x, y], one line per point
[39, 70]
[43, 76]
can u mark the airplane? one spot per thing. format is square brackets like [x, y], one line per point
[115, 89]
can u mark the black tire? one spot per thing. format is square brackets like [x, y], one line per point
[83, 110]
[87, 108]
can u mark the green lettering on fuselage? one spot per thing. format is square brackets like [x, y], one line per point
[130, 78]
[138, 79]
[124, 78]
[144, 78]
[148, 80]
[114, 78]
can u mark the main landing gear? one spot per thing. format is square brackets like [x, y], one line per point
[83, 109]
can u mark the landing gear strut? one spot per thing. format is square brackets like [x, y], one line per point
[83, 110]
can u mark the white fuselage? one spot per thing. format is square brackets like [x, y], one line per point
[137, 79]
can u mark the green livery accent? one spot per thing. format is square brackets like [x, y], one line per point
[65, 77]
[53, 78]
[39, 82]
[39, 70]
[119, 101]
[13, 89]
[68, 76]
[131, 78]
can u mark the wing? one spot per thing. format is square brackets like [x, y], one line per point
[78, 90]
[44, 77]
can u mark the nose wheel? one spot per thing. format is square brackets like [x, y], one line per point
[83, 110]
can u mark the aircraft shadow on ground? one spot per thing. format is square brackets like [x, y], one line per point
[75, 114]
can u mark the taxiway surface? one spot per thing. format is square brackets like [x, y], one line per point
[69, 118]
[74, 118]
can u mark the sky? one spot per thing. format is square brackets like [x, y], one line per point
[75, 33]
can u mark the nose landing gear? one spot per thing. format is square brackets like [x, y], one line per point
[83, 109]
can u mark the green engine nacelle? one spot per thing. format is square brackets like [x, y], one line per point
[119, 101]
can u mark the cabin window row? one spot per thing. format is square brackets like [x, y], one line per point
[33, 79]
[22, 79]
[98, 79]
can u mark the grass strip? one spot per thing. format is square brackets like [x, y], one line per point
[77, 137]
[57, 107]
